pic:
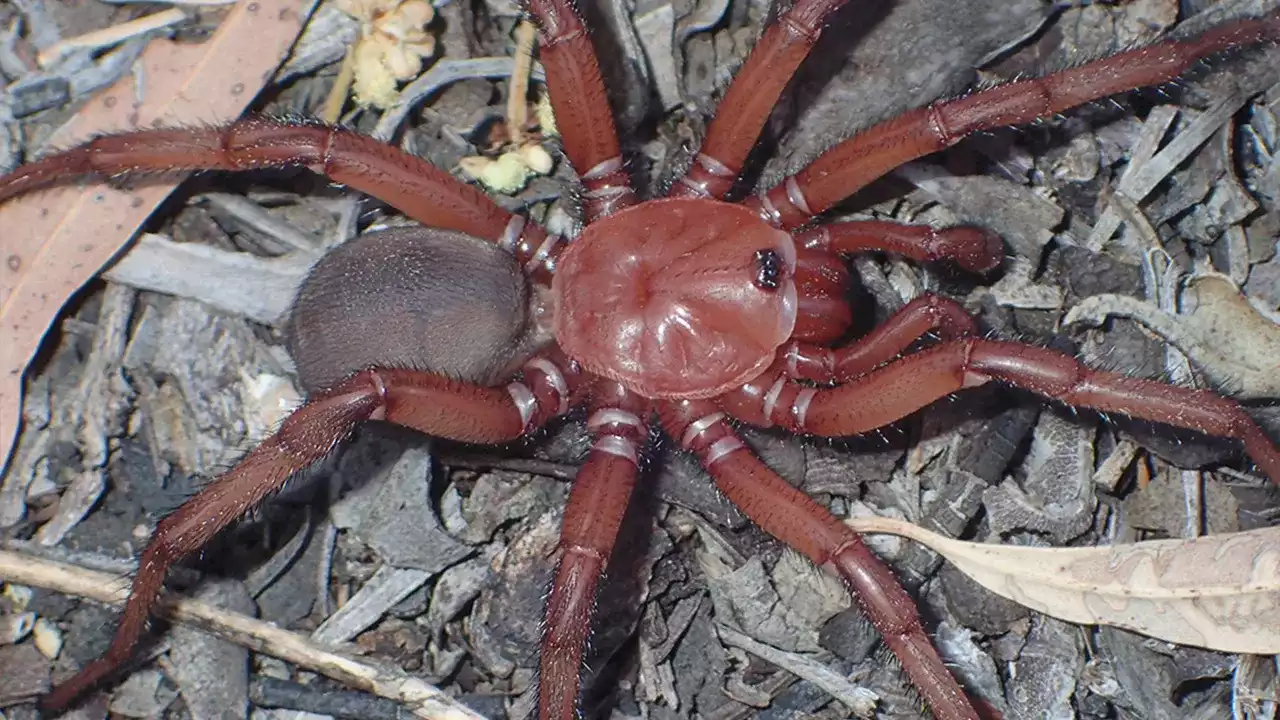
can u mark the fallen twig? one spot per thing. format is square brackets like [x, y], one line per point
[423, 699]
[110, 36]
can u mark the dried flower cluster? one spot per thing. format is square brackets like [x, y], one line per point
[393, 43]
[518, 159]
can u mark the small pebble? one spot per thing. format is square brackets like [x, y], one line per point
[13, 628]
[537, 158]
[18, 595]
[48, 638]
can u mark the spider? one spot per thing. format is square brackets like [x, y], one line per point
[687, 311]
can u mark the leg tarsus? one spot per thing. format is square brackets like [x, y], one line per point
[1063, 378]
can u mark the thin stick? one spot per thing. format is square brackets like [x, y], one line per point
[109, 36]
[333, 104]
[422, 699]
[518, 89]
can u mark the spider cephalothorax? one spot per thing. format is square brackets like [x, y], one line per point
[685, 311]
[662, 298]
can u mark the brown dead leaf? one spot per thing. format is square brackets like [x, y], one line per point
[1237, 347]
[1220, 592]
[55, 241]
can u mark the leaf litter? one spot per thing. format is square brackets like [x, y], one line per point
[182, 336]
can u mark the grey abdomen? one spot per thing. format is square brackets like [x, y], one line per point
[414, 298]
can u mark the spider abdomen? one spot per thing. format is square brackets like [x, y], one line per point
[677, 298]
[415, 298]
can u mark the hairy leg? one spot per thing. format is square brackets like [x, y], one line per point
[795, 519]
[927, 313]
[751, 97]
[902, 387]
[582, 108]
[412, 185]
[854, 163]
[597, 503]
[435, 405]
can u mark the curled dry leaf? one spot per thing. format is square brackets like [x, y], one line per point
[55, 241]
[1237, 347]
[1220, 592]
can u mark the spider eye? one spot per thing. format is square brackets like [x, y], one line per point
[768, 269]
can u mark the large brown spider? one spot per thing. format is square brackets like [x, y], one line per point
[688, 311]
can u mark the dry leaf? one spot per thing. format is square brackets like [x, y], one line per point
[57, 240]
[1236, 347]
[1220, 592]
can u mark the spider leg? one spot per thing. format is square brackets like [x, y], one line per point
[823, 311]
[902, 387]
[597, 502]
[582, 108]
[414, 186]
[432, 404]
[927, 313]
[751, 97]
[794, 518]
[972, 248]
[854, 163]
